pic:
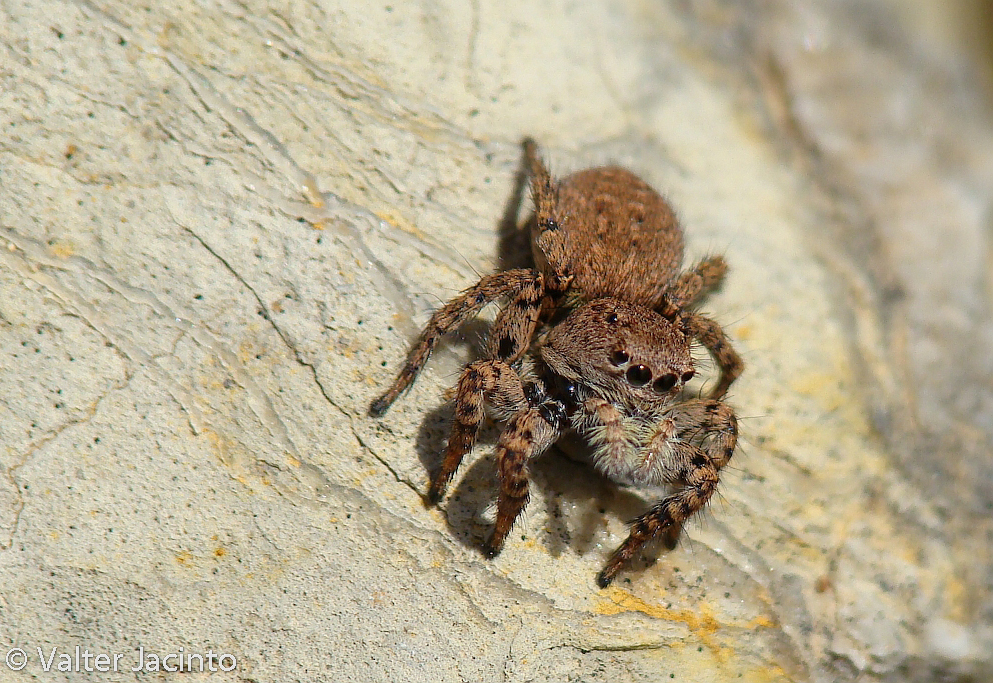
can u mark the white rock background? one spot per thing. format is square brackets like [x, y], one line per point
[223, 222]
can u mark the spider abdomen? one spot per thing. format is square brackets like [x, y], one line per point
[616, 237]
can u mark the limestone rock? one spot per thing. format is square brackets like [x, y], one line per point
[223, 224]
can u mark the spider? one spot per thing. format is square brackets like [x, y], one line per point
[612, 362]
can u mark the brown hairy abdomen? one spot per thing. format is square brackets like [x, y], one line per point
[624, 238]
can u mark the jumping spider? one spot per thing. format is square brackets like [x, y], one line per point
[608, 250]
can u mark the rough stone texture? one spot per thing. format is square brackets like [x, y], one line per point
[223, 223]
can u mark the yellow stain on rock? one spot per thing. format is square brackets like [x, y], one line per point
[222, 446]
[701, 622]
[185, 559]
[63, 249]
[395, 220]
[619, 601]
[743, 332]
[825, 386]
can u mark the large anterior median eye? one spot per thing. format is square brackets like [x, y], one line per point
[639, 375]
[664, 383]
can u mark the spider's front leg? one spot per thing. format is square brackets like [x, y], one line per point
[528, 434]
[691, 445]
[629, 449]
[490, 381]
[512, 330]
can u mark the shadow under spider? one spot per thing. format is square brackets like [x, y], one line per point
[565, 477]
[514, 241]
[563, 483]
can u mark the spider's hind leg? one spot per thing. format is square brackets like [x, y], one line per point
[542, 185]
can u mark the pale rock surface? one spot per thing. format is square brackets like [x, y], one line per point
[223, 223]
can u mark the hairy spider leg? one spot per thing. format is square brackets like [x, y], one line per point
[551, 252]
[697, 467]
[713, 338]
[491, 381]
[528, 435]
[693, 284]
[516, 322]
[542, 186]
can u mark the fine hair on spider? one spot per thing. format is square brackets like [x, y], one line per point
[595, 338]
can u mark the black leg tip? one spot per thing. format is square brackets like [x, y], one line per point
[379, 407]
[670, 538]
[603, 579]
[434, 496]
[491, 549]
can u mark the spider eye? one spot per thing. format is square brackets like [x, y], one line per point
[639, 375]
[664, 383]
[687, 376]
[619, 357]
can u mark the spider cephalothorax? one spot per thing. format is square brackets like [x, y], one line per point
[608, 246]
[622, 352]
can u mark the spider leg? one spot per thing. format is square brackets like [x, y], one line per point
[542, 185]
[708, 421]
[714, 426]
[514, 326]
[483, 380]
[693, 284]
[529, 434]
[548, 241]
[619, 450]
[517, 284]
[710, 334]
